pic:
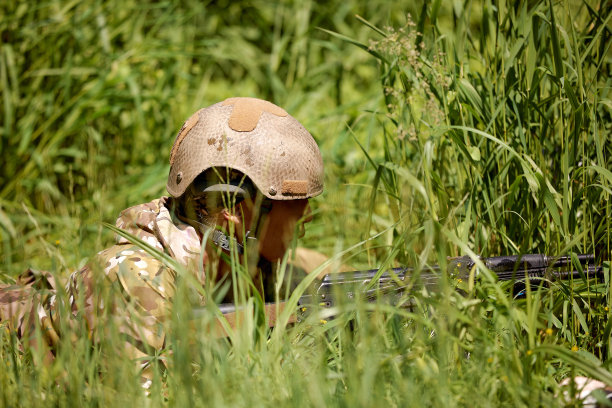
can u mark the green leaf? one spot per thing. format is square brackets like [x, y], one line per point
[349, 40]
[591, 367]
[580, 316]
[605, 173]
[555, 44]
[474, 153]
[551, 205]
[467, 89]
[410, 178]
[372, 26]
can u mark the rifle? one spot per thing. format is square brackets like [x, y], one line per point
[390, 285]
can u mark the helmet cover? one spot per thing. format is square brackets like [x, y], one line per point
[255, 137]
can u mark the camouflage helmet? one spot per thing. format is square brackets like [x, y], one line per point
[254, 137]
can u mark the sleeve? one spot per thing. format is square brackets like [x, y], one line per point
[133, 290]
[26, 308]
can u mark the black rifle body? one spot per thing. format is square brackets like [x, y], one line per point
[393, 284]
[371, 284]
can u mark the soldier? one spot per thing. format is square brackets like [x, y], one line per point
[241, 174]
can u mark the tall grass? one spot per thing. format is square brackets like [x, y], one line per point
[93, 92]
[474, 128]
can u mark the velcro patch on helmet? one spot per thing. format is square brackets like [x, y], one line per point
[187, 126]
[294, 187]
[247, 111]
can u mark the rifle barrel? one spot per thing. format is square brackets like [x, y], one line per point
[511, 267]
[532, 261]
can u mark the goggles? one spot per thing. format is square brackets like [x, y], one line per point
[213, 191]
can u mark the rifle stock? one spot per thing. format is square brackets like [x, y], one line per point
[392, 284]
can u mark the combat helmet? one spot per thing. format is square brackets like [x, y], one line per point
[255, 137]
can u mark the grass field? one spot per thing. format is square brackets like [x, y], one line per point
[447, 128]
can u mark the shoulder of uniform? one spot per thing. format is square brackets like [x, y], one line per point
[140, 216]
[151, 207]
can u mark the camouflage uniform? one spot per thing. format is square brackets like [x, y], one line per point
[146, 285]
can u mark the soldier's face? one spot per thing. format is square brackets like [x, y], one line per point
[280, 225]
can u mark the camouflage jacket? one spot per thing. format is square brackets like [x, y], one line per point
[146, 286]
[138, 286]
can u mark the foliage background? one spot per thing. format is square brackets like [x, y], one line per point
[446, 127]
